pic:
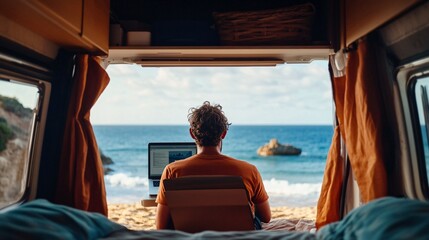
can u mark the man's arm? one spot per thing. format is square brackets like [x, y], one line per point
[263, 211]
[163, 217]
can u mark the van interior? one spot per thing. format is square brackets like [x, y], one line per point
[55, 53]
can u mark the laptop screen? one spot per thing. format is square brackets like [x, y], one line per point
[161, 154]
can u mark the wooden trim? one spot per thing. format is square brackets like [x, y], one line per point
[364, 16]
[16, 33]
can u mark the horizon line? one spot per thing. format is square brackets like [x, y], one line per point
[237, 124]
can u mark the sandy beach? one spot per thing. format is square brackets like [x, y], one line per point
[137, 217]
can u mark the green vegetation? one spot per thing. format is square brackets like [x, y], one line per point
[6, 133]
[14, 106]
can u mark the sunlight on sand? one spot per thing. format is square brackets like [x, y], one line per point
[137, 217]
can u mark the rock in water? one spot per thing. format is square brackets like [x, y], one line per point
[275, 148]
[106, 161]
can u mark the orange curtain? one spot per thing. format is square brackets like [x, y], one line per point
[81, 177]
[329, 201]
[359, 109]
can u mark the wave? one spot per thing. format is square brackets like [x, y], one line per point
[124, 188]
[283, 193]
[124, 180]
[284, 188]
[273, 186]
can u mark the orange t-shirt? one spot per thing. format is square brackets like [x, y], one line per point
[203, 164]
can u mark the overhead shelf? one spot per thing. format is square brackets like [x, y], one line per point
[217, 55]
[181, 32]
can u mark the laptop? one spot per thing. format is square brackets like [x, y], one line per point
[162, 153]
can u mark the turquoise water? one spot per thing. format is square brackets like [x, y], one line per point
[289, 180]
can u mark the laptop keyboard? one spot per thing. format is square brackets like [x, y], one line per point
[156, 183]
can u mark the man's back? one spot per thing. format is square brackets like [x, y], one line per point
[208, 127]
[217, 164]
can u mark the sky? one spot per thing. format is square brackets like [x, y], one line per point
[26, 94]
[288, 94]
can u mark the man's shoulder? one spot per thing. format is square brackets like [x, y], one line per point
[241, 162]
[178, 162]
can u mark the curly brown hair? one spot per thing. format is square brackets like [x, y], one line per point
[207, 123]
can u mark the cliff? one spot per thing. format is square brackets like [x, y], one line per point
[15, 123]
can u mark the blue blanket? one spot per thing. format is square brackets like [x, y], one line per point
[385, 218]
[40, 219]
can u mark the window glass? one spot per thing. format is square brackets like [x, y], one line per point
[422, 100]
[17, 106]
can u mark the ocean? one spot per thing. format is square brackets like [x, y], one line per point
[292, 181]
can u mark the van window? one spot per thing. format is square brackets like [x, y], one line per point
[422, 105]
[18, 103]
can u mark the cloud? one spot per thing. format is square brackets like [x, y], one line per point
[287, 94]
[26, 94]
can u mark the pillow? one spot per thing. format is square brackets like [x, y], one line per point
[40, 219]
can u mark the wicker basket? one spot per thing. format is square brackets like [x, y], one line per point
[291, 25]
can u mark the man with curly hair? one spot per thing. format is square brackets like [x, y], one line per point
[208, 127]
